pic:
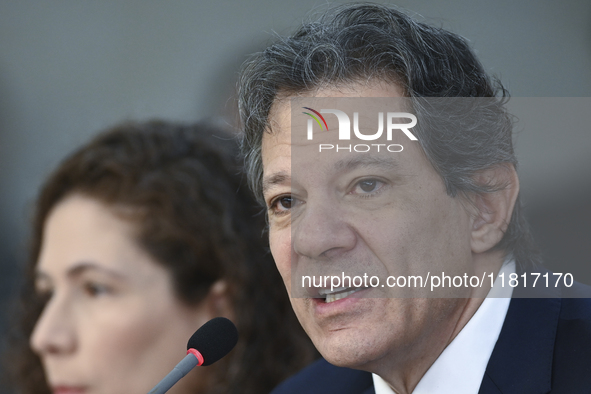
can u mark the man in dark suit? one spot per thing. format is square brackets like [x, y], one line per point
[390, 241]
[544, 347]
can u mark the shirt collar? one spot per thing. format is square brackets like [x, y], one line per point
[461, 366]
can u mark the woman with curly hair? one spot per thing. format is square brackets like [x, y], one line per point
[140, 237]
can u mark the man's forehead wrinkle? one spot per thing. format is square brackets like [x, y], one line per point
[279, 115]
[365, 161]
[275, 179]
[273, 126]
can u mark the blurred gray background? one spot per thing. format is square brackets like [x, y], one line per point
[71, 68]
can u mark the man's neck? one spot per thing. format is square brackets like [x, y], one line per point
[405, 376]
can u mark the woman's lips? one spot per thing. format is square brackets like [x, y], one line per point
[67, 389]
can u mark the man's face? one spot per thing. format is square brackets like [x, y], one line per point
[381, 213]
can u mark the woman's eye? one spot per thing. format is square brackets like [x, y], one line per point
[367, 186]
[43, 290]
[95, 289]
[44, 295]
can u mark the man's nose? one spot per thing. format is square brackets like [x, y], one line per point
[322, 231]
[54, 332]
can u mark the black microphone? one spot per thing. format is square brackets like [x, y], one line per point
[208, 344]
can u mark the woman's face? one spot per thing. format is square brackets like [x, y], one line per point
[112, 323]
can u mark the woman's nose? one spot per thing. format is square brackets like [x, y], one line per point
[54, 332]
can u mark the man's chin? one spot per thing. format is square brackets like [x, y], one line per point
[350, 360]
[348, 348]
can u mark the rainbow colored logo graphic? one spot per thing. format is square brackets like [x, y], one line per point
[315, 118]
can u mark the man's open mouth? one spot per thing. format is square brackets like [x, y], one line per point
[338, 293]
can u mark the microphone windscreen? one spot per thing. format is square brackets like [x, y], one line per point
[214, 339]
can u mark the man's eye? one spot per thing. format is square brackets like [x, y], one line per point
[282, 204]
[366, 186]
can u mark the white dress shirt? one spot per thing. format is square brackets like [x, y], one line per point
[461, 366]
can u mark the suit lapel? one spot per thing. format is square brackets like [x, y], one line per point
[521, 361]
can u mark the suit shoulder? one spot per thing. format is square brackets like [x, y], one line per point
[576, 301]
[321, 377]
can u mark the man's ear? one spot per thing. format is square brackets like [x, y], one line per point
[492, 211]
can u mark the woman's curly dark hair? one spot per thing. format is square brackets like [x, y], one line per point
[196, 217]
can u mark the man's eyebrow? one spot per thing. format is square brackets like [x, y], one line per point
[366, 161]
[275, 179]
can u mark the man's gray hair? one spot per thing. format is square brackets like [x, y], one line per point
[369, 42]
